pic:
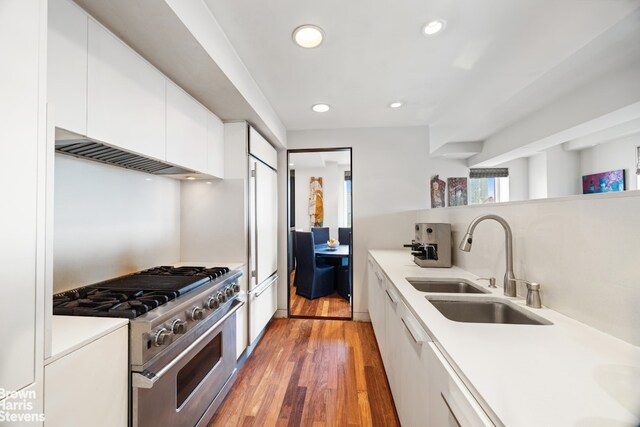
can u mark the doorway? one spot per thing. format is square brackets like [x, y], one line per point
[320, 236]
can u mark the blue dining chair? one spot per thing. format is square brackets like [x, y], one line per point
[343, 281]
[320, 235]
[312, 279]
[344, 235]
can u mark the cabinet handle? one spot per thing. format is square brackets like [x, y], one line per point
[392, 298]
[267, 286]
[255, 216]
[413, 336]
[450, 410]
[379, 276]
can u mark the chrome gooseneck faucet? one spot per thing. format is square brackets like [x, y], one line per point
[467, 241]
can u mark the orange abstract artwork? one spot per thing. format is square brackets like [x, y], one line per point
[316, 208]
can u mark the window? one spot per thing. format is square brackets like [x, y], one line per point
[347, 199]
[488, 190]
[488, 185]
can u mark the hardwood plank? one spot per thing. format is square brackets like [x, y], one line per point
[311, 373]
[333, 306]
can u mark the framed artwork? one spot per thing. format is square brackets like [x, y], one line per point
[457, 191]
[316, 207]
[437, 192]
[603, 182]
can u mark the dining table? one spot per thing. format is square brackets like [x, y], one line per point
[341, 251]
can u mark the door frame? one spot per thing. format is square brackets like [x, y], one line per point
[288, 228]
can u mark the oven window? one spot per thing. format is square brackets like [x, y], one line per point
[192, 374]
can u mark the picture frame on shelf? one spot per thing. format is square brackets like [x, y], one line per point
[604, 182]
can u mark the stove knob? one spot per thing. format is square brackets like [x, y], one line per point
[197, 313]
[213, 303]
[161, 337]
[236, 288]
[229, 291]
[179, 326]
[222, 297]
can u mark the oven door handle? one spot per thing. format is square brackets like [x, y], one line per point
[147, 379]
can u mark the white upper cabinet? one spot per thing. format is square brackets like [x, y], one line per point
[186, 130]
[67, 65]
[126, 96]
[215, 146]
[260, 148]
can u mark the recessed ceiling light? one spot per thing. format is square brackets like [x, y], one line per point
[434, 27]
[291, 164]
[396, 104]
[209, 182]
[191, 178]
[321, 108]
[308, 36]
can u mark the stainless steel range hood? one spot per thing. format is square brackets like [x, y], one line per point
[77, 146]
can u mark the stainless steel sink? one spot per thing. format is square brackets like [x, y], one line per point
[486, 311]
[452, 286]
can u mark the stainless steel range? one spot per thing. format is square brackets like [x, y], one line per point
[182, 336]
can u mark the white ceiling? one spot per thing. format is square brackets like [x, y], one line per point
[466, 83]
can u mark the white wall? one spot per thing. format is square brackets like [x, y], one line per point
[518, 179]
[563, 172]
[332, 193]
[110, 221]
[391, 171]
[617, 154]
[538, 176]
[582, 249]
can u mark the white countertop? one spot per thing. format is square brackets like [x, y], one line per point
[69, 333]
[565, 374]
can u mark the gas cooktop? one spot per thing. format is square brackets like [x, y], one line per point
[135, 294]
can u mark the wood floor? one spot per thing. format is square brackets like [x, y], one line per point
[330, 306]
[311, 373]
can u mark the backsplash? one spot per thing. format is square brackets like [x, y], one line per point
[110, 221]
[583, 250]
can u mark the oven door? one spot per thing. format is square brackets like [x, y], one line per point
[184, 390]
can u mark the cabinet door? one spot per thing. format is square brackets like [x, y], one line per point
[415, 379]
[215, 146]
[126, 96]
[265, 188]
[186, 130]
[67, 65]
[20, 131]
[393, 327]
[90, 386]
[263, 303]
[450, 402]
[376, 304]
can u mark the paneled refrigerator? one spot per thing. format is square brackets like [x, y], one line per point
[263, 233]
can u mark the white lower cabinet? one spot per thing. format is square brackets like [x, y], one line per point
[416, 378]
[451, 402]
[89, 386]
[426, 390]
[376, 308]
[393, 327]
[263, 303]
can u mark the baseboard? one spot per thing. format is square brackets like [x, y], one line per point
[361, 316]
[281, 314]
